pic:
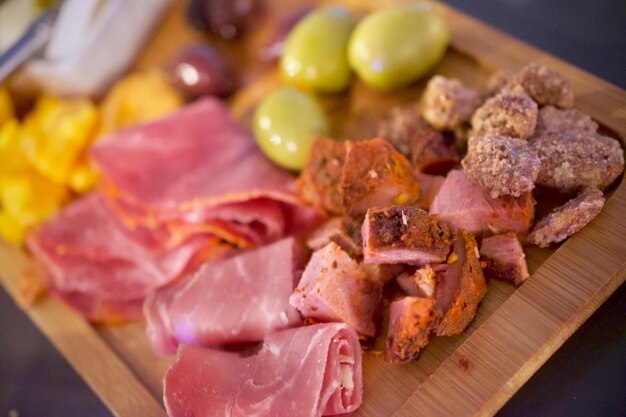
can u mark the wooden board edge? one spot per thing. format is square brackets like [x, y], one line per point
[96, 363]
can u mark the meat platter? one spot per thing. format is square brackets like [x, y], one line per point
[515, 330]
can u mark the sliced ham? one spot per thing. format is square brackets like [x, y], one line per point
[309, 371]
[235, 300]
[335, 287]
[198, 169]
[411, 320]
[404, 235]
[104, 269]
[462, 204]
[504, 258]
[461, 287]
[429, 188]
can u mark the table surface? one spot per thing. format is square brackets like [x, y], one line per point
[586, 377]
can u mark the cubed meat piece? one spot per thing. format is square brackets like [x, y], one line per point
[336, 288]
[552, 119]
[411, 320]
[447, 103]
[320, 178]
[568, 219]
[509, 113]
[404, 235]
[501, 165]
[462, 287]
[429, 187]
[574, 160]
[462, 204]
[376, 175]
[344, 231]
[423, 281]
[425, 147]
[504, 258]
[545, 86]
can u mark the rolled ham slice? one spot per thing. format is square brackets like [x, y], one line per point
[197, 170]
[235, 300]
[308, 371]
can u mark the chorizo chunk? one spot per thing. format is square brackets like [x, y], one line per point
[575, 160]
[568, 219]
[447, 103]
[509, 113]
[501, 165]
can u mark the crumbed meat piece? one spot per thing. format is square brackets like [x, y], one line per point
[423, 281]
[462, 204]
[575, 160]
[552, 119]
[509, 113]
[447, 103]
[404, 235]
[501, 165]
[411, 320]
[568, 219]
[425, 147]
[320, 178]
[335, 287]
[429, 187]
[504, 258]
[462, 287]
[344, 231]
[544, 85]
[376, 175]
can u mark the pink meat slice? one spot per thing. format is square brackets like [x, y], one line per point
[335, 287]
[198, 166]
[308, 371]
[462, 204]
[235, 300]
[98, 265]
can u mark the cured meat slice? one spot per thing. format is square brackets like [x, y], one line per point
[462, 287]
[462, 204]
[429, 187]
[104, 269]
[308, 371]
[198, 169]
[404, 235]
[334, 287]
[235, 300]
[411, 320]
[504, 258]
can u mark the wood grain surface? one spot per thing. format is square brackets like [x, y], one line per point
[472, 374]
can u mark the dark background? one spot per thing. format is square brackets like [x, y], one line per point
[585, 378]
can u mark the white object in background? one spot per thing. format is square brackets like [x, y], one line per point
[93, 43]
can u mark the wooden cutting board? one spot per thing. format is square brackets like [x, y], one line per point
[472, 374]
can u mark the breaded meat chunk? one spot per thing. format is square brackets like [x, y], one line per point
[447, 103]
[461, 288]
[404, 235]
[552, 119]
[320, 178]
[504, 258]
[411, 320]
[501, 165]
[575, 160]
[568, 219]
[376, 175]
[424, 146]
[335, 287]
[545, 86]
[511, 112]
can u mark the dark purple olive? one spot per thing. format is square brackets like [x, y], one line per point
[200, 69]
[274, 48]
[224, 18]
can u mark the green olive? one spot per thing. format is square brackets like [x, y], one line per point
[398, 44]
[315, 54]
[285, 125]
